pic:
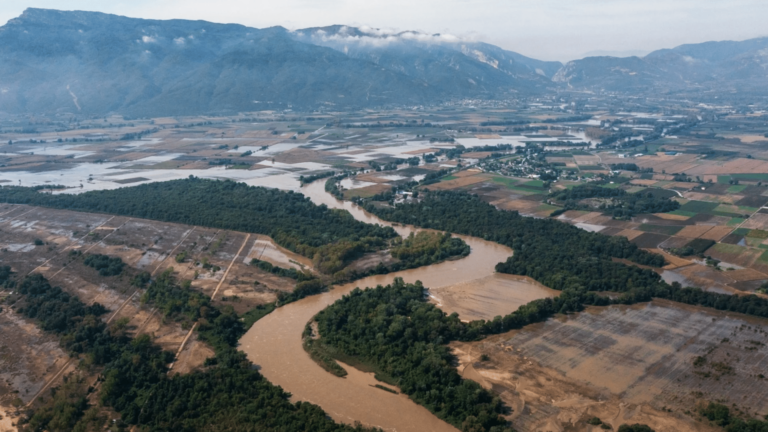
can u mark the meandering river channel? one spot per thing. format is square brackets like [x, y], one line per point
[274, 343]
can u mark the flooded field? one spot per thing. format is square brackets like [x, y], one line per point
[274, 342]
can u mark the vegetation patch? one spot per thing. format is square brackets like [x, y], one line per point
[660, 229]
[226, 395]
[759, 234]
[699, 206]
[331, 237]
[106, 265]
[616, 202]
[683, 213]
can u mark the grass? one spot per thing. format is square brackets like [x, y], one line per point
[760, 234]
[547, 208]
[612, 185]
[764, 257]
[755, 176]
[683, 213]
[723, 179]
[736, 188]
[741, 231]
[448, 177]
[591, 168]
[699, 206]
[660, 229]
[506, 181]
[748, 209]
[534, 183]
[735, 221]
[729, 249]
[724, 214]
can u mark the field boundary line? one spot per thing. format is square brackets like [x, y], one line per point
[213, 296]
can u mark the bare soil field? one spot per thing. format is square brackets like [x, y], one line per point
[457, 183]
[693, 231]
[624, 365]
[490, 296]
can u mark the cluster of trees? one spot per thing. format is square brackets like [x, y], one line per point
[427, 248]
[625, 167]
[434, 177]
[229, 394]
[291, 273]
[616, 202]
[106, 265]
[694, 247]
[418, 250]
[560, 255]
[5, 277]
[721, 416]
[310, 178]
[403, 337]
[332, 185]
[291, 219]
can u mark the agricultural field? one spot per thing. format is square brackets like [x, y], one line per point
[622, 364]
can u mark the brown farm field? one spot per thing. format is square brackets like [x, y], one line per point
[624, 365]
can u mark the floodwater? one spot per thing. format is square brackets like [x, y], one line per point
[274, 342]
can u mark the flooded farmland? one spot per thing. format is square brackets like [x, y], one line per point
[274, 342]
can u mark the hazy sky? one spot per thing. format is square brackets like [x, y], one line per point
[545, 29]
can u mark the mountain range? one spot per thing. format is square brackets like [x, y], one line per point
[722, 67]
[92, 63]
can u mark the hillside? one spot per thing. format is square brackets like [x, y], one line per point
[719, 67]
[94, 63]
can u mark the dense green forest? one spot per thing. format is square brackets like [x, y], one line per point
[557, 254]
[404, 337]
[561, 256]
[615, 202]
[228, 395]
[291, 219]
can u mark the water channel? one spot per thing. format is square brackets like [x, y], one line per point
[274, 342]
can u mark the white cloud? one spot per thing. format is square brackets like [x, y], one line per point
[148, 39]
[179, 41]
[378, 37]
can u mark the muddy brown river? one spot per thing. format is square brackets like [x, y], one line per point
[274, 342]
